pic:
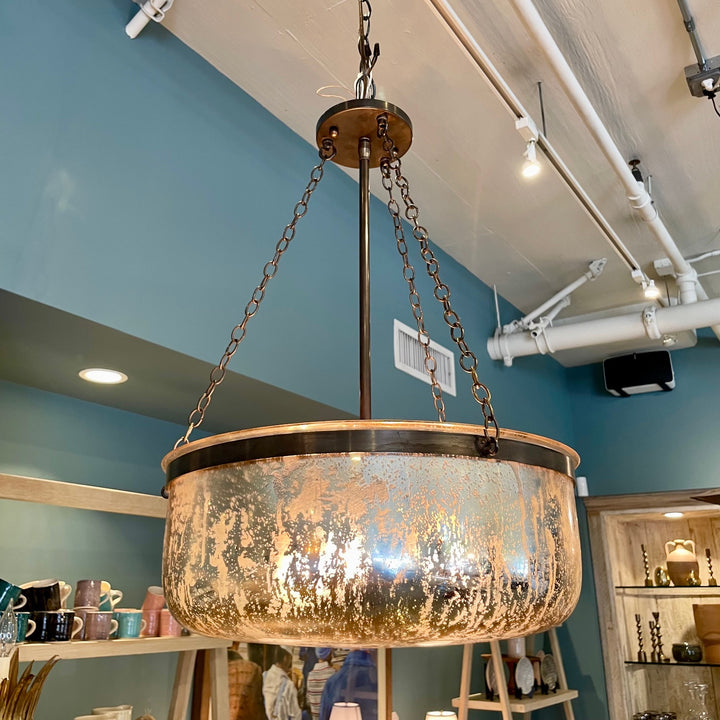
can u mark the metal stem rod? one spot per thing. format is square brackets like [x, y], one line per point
[364, 171]
[689, 21]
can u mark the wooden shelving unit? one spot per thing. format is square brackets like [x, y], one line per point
[618, 526]
[505, 704]
[87, 497]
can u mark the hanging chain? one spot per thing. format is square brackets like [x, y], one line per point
[409, 275]
[217, 375]
[364, 84]
[468, 360]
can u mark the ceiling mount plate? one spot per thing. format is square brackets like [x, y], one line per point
[351, 120]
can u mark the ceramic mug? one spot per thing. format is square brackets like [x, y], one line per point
[120, 712]
[48, 594]
[9, 592]
[54, 626]
[25, 626]
[96, 716]
[169, 626]
[154, 598]
[130, 623]
[87, 593]
[82, 613]
[109, 597]
[99, 625]
[151, 618]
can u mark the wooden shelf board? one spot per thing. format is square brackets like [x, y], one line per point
[673, 663]
[526, 705]
[84, 497]
[657, 502]
[78, 649]
[677, 590]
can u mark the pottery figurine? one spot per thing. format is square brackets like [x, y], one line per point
[662, 579]
[681, 561]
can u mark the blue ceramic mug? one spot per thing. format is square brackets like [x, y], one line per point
[130, 623]
[9, 592]
[24, 626]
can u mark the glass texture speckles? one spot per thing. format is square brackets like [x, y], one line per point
[371, 549]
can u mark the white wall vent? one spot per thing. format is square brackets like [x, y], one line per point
[410, 357]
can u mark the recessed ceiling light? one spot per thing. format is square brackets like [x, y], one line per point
[673, 514]
[103, 376]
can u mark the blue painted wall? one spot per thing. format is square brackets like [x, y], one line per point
[50, 436]
[144, 191]
[656, 441]
[645, 443]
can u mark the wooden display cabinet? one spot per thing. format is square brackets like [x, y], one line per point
[619, 525]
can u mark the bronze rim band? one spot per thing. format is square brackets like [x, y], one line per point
[381, 440]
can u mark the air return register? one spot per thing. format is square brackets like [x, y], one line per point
[410, 357]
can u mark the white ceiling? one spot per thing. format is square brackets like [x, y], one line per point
[529, 239]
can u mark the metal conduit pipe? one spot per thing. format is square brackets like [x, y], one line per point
[689, 21]
[652, 323]
[509, 100]
[637, 195]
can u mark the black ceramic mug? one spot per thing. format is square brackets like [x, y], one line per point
[54, 625]
[49, 594]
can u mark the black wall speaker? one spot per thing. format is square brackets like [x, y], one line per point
[639, 373]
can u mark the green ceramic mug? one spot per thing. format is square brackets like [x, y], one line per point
[130, 623]
[9, 592]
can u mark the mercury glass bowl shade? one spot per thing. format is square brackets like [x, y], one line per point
[370, 533]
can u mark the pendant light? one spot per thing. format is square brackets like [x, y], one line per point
[370, 533]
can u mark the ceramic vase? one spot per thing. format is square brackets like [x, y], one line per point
[681, 561]
[707, 625]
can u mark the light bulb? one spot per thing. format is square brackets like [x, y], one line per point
[531, 166]
[103, 376]
[652, 291]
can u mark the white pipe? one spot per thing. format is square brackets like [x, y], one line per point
[639, 198]
[698, 258]
[596, 267]
[606, 330]
[150, 10]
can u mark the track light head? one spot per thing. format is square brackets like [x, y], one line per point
[651, 290]
[531, 166]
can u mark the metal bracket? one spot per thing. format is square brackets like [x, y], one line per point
[650, 322]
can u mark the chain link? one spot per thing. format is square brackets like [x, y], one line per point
[409, 275]
[468, 360]
[217, 375]
[364, 84]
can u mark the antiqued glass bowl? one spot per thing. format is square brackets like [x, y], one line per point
[370, 533]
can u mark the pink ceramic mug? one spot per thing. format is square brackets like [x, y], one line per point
[169, 626]
[154, 598]
[151, 619]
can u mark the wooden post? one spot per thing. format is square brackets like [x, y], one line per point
[465, 681]
[183, 685]
[499, 666]
[219, 690]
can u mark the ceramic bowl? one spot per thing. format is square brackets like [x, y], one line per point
[685, 652]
